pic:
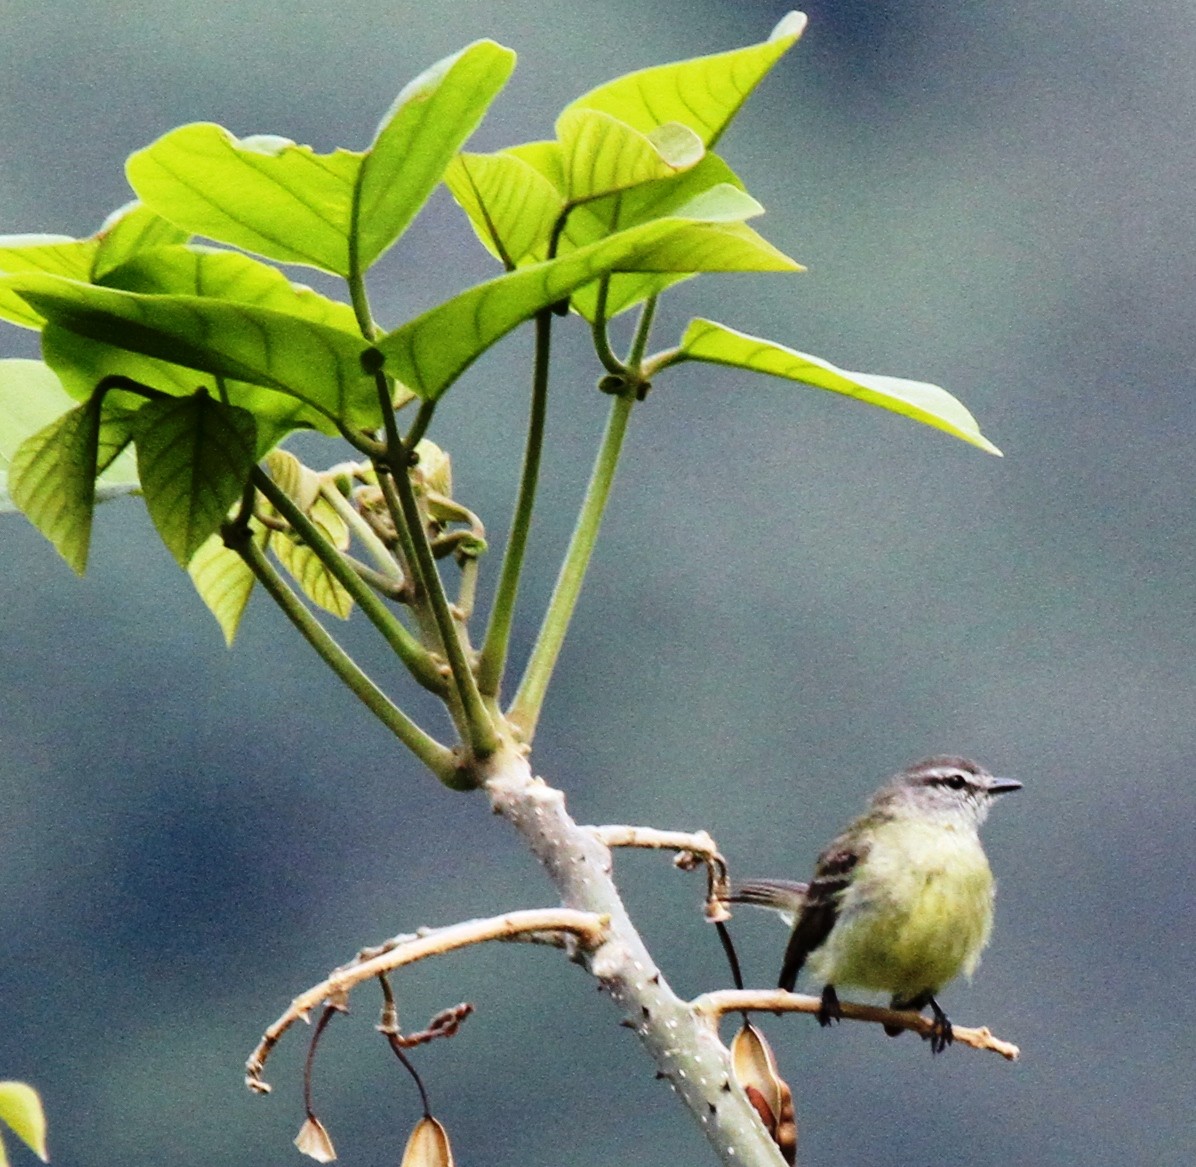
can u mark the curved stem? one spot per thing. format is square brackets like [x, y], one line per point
[438, 758]
[498, 632]
[525, 709]
[418, 661]
[478, 727]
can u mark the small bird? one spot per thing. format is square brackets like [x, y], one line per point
[902, 900]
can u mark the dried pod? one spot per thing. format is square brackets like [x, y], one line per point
[755, 1070]
[313, 1141]
[428, 1145]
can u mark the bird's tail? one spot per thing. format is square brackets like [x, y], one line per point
[785, 896]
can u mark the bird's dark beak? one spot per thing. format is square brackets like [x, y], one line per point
[1003, 786]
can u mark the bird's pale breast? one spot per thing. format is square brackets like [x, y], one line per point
[916, 914]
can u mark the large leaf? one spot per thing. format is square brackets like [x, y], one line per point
[125, 232]
[704, 93]
[428, 123]
[430, 352]
[194, 456]
[31, 397]
[704, 340]
[52, 480]
[59, 255]
[263, 193]
[333, 211]
[318, 364]
[82, 363]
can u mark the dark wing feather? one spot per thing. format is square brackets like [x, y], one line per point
[831, 875]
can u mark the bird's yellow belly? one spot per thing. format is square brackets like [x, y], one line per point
[917, 913]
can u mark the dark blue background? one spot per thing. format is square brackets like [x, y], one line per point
[793, 596]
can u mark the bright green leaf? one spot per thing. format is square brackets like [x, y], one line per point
[603, 155]
[52, 480]
[194, 456]
[704, 340]
[21, 1111]
[128, 232]
[428, 123]
[703, 93]
[224, 581]
[58, 255]
[306, 567]
[31, 396]
[313, 362]
[263, 193]
[430, 352]
[510, 205]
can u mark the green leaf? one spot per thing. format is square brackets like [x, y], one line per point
[704, 340]
[263, 193]
[21, 1111]
[276, 198]
[124, 233]
[82, 363]
[128, 232]
[224, 581]
[31, 397]
[194, 456]
[58, 255]
[315, 363]
[306, 567]
[603, 155]
[704, 93]
[52, 480]
[511, 205]
[428, 123]
[430, 352]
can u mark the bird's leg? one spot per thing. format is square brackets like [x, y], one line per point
[942, 1035]
[829, 1010]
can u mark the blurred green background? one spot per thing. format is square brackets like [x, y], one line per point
[794, 596]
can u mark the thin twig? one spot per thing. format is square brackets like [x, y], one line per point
[711, 1007]
[692, 848]
[588, 929]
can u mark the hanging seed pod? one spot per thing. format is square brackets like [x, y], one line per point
[755, 1069]
[428, 1145]
[313, 1141]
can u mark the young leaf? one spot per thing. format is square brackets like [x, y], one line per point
[224, 581]
[511, 205]
[704, 340]
[263, 193]
[313, 362]
[430, 352]
[428, 123]
[603, 155]
[308, 570]
[194, 455]
[21, 1111]
[32, 397]
[704, 93]
[52, 480]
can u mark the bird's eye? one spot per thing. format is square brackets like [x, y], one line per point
[954, 781]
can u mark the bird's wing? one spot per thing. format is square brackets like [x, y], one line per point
[817, 917]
